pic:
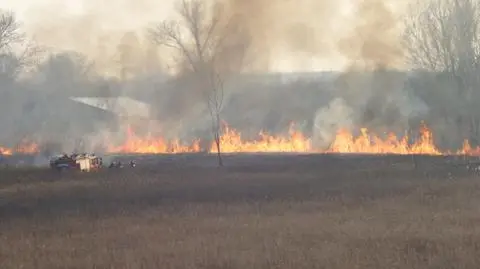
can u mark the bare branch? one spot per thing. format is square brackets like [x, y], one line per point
[444, 37]
[192, 13]
[168, 34]
[213, 46]
[16, 53]
[9, 30]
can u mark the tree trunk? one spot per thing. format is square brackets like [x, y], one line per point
[217, 140]
[219, 151]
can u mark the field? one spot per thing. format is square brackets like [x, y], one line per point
[260, 211]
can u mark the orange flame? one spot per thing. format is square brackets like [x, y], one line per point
[231, 141]
[5, 151]
[27, 148]
[149, 145]
[24, 147]
[345, 142]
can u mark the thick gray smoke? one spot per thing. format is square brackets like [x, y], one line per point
[329, 120]
[57, 102]
[371, 92]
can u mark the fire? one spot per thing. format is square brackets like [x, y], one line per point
[22, 148]
[345, 142]
[231, 141]
[150, 145]
[27, 148]
[468, 150]
[5, 151]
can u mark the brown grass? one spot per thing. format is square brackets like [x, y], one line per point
[308, 217]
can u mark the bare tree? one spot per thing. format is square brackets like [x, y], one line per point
[16, 53]
[211, 46]
[443, 37]
[9, 31]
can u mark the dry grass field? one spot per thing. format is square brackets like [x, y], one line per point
[331, 214]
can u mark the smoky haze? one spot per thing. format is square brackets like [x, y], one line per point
[103, 51]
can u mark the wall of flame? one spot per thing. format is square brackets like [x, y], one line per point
[231, 142]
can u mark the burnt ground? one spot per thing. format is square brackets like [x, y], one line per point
[259, 211]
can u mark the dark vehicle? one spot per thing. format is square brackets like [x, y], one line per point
[63, 162]
[82, 162]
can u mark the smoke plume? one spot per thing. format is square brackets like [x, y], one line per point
[372, 86]
[100, 49]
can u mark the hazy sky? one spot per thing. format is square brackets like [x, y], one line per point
[115, 13]
[87, 25]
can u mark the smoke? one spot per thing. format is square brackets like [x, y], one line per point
[95, 29]
[371, 88]
[95, 49]
[325, 126]
[109, 55]
[286, 35]
[375, 38]
[291, 35]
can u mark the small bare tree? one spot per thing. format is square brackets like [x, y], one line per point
[443, 37]
[9, 31]
[16, 53]
[211, 46]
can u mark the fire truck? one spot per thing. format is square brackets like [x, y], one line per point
[82, 162]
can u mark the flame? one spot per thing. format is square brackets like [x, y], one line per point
[345, 142]
[468, 150]
[5, 151]
[27, 148]
[231, 141]
[24, 147]
[150, 145]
